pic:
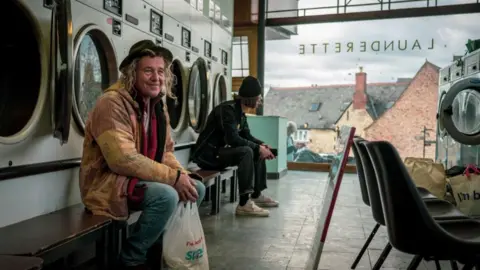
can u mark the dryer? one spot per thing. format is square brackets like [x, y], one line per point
[221, 51]
[446, 148]
[198, 93]
[25, 125]
[99, 43]
[441, 145]
[174, 35]
[460, 108]
[202, 47]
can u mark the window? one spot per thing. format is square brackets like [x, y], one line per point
[302, 135]
[314, 107]
[240, 64]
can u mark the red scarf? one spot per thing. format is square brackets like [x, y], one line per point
[149, 149]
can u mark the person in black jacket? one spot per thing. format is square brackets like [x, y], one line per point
[226, 141]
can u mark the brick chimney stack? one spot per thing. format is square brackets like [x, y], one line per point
[360, 94]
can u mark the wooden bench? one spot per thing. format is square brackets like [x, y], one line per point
[55, 236]
[215, 182]
[20, 263]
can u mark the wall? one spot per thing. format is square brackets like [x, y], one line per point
[322, 140]
[416, 108]
[359, 118]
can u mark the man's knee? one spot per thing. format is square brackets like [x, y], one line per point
[200, 190]
[246, 151]
[162, 195]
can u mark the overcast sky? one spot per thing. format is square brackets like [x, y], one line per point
[285, 66]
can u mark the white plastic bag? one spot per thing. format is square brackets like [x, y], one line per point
[184, 246]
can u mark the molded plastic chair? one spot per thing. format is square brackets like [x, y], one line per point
[365, 197]
[439, 209]
[410, 226]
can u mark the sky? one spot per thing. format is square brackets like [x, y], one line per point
[439, 39]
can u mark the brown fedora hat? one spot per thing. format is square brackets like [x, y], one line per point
[137, 51]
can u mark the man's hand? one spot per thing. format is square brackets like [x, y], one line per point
[265, 153]
[185, 187]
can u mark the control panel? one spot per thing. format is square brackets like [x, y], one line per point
[113, 6]
[156, 23]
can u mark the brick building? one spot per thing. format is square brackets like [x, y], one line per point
[415, 109]
[319, 110]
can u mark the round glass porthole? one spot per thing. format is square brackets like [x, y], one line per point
[466, 112]
[220, 90]
[175, 107]
[198, 95]
[460, 111]
[95, 70]
[23, 77]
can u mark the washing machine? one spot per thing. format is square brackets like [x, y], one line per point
[221, 79]
[460, 108]
[23, 121]
[99, 42]
[447, 149]
[441, 145]
[198, 93]
[197, 86]
[202, 48]
[177, 108]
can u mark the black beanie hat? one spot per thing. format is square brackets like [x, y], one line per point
[250, 88]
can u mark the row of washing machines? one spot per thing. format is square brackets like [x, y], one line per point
[59, 55]
[458, 117]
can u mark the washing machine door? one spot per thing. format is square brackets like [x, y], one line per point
[176, 107]
[61, 55]
[460, 111]
[95, 69]
[219, 90]
[198, 95]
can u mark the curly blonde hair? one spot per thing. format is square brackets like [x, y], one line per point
[129, 75]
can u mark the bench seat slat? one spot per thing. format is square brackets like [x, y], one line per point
[20, 263]
[35, 235]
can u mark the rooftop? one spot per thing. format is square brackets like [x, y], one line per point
[295, 103]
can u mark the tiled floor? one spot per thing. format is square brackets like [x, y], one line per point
[283, 240]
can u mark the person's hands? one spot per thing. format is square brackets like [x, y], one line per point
[265, 153]
[185, 187]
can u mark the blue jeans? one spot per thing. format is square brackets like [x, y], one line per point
[160, 202]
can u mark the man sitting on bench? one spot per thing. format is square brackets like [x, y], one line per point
[128, 160]
[226, 141]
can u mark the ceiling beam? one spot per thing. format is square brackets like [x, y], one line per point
[376, 15]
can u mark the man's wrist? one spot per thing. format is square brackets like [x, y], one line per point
[179, 173]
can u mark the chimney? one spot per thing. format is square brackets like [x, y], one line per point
[360, 94]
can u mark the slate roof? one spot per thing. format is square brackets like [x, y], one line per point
[294, 103]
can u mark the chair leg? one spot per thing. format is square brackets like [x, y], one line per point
[437, 265]
[415, 262]
[224, 186]
[215, 193]
[454, 265]
[382, 257]
[365, 246]
[233, 187]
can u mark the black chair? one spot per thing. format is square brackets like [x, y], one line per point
[365, 197]
[410, 226]
[439, 209]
